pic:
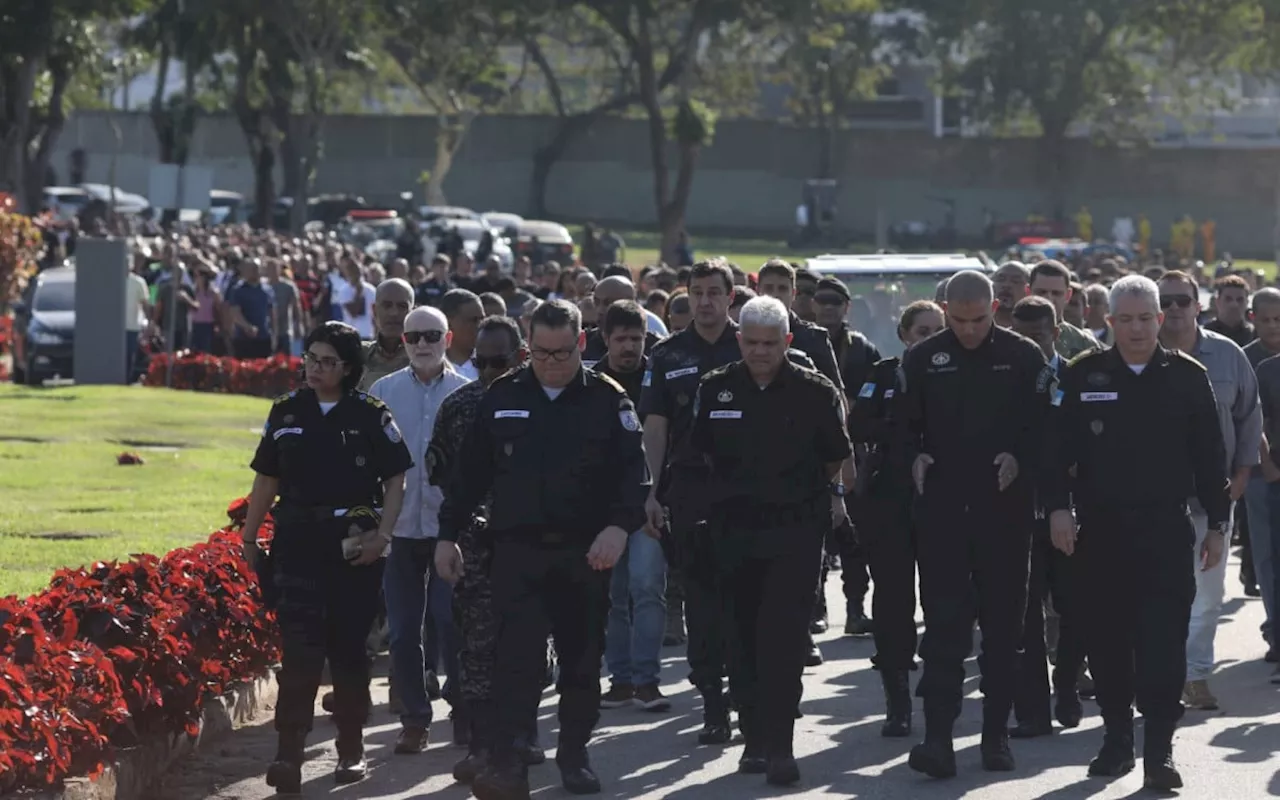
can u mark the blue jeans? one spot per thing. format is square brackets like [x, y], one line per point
[637, 612]
[1258, 505]
[130, 355]
[406, 583]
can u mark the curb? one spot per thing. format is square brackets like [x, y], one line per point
[138, 769]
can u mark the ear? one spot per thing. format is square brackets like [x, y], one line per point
[790, 336]
[448, 339]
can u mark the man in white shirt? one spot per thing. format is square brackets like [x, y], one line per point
[464, 311]
[414, 395]
[355, 296]
[136, 293]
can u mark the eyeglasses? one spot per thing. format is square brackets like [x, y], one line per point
[324, 363]
[1179, 300]
[494, 362]
[431, 337]
[828, 299]
[559, 355]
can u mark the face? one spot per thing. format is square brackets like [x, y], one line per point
[777, 287]
[1043, 332]
[464, 325]
[494, 355]
[764, 347]
[1231, 304]
[1075, 310]
[626, 345]
[425, 340]
[970, 321]
[709, 300]
[493, 267]
[584, 284]
[1266, 322]
[1181, 306]
[1136, 322]
[831, 308]
[324, 369]
[923, 325]
[399, 269]
[272, 271]
[390, 309]
[464, 265]
[803, 303]
[1055, 290]
[1010, 286]
[681, 315]
[556, 354]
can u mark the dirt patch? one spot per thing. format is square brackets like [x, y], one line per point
[8, 437]
[88, 510]
[170, 447]
[63, 536]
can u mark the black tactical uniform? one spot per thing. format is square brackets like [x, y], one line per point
[557, 473]
[631, 382]
[963, 408]
[675, 367]
[328, 465]
[1141, 444]
[881, 508]
[769, 506]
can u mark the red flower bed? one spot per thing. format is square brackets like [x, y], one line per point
[261, 377]
[114, 652]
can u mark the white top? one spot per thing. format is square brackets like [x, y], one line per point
[802, 216]
[466, 369]
[135, 294]
[343, 293]
[325, 408]
[553, 393]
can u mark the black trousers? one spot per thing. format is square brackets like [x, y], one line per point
[325, 610]
[973, 565]
[887, 535]
[1053, 577]
[1137, 583]
[854, 569]
[769, 601]
[704, 606]
[539, 591]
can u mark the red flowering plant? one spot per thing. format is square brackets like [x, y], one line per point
[260, 377]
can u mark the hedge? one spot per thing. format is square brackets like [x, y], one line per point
[115, 652]
[260, 377]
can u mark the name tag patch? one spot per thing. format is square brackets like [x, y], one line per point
[1057, 397]
[1098, 397]
[648, 378]
[888, 394]
[867, 390]
[680, 373]
[726, 415]
[284, 431]
[511, 413]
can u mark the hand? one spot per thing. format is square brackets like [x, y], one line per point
[655, 517]
[1062, 530]
[252, 330]
[1239, 481]
[372, 546]
[607, 548]
[252, 554]
[839, 512]
[1007, 470]
[918, 470]
[1211, 550]
[448, 558]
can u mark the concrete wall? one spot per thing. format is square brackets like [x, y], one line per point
[749, 181]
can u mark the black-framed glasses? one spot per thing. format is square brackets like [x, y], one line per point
[1179, 300]
[324, 362]
[828, 299]
[492, 362]
[431, 337]
[559, 355]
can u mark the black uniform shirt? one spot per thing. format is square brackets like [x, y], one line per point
[856, 355]
[569, 466]
[339, 459]
[1148, 440]
[597, 348]
[630, 381]
[964, 407]
[871, 424]
[771, 446]
[1257, 352]
[815, 342]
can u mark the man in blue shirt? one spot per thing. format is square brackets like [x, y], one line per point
[253, 312]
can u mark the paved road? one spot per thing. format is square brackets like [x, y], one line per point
[1233, 753]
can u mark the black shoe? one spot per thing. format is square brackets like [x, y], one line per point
[530, 754]
[996, 755]
[897, 702]
[578, 778]
[1272, 656]
[350, 770]
[475, 762]
[753, 760]
[285, 777]
[782, 771]
[1252, 591]
[501, 784]
[814, 658]
[715, 731]
[1115, 758]
[1031, 729]
[1160, 774]
[858, 623]
[818, 625]
[1085, 687]
[412, 740]
[1067, 709]
[935, 758]
[433, 687]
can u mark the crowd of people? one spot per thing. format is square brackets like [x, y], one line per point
[538, 473]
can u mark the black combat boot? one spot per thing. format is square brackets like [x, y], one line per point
[575, 770]
[285, 772]
[936, 755]
[715, 718]
[1116, 756]
[897, 703]
[352, 768]
[996, 755]
[504, 779]
[754, 759]
[1161, 774]
[480, 745]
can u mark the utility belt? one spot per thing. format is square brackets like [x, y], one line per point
[292, 512]
[747, 516]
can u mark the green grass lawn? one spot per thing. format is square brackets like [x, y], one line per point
[66, 502]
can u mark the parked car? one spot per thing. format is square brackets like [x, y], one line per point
[44, 327]
[544, 241]
[471, 231]
[432, 213]
[506, 224]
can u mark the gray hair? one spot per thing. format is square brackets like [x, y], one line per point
[970, 286]
[766, 311]
[1135, 286]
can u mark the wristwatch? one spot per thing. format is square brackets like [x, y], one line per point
[1221, 530]
[837, 489]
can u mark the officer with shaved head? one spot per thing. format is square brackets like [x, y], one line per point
[972, 415]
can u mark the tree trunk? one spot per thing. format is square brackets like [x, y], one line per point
[671, 219]
[1054, 148]
[39, 150]
[545, 157]
[17, 91]
[657, 125]
[162, 118]
[450, 134]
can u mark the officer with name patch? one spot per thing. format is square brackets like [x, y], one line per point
[1138, 426]
[336, 459]
[557, 448]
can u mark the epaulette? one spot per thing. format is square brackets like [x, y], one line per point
[891, 361]
[1181, 356]
[1091, 352]
[371, 400]
[286, 396]
[716, 373]
[800, 358]
[608, 380]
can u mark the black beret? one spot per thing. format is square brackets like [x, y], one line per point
[834, 285]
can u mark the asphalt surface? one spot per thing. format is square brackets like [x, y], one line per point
[1231, 753]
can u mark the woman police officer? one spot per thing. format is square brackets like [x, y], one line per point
[337, 461]
[882, 513]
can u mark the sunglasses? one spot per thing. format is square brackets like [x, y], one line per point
[491, 362]
[828, 299]
[1179, 300]
[431, 337]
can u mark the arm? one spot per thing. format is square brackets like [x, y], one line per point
[1246, 412]
[1036, 386]
[634, 478]
[824, 358]
[261, 496]
[471, 480]
[909, 426]
[392, 502]
[1060, 445]
[655, 447]
[1208, 454]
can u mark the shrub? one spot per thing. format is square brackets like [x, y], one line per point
[260, 377]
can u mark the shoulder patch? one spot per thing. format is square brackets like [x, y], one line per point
[1178, 355]
[718, 372]
[1087, 354]
[371, 400]
[609, 381]
[287, 396]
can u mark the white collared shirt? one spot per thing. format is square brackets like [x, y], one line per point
[414, 405]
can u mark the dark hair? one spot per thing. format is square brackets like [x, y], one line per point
[504, 285]
[741, 295]
[914, 310]
[712, 269]
[346, 341]
[779, 268]
[684, 275]
[556, 314]
[625, 314]
[492, 297]
[1231, 282]
[807, 275]
[1178, 276]
[455, 299]
[1035, 309]
[505, 325]
[666, 279]
[1050, 269]
[618, 269]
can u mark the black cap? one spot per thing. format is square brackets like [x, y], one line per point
[834, 285]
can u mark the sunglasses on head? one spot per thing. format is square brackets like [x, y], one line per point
[494, 362]
[1179, 300]
[431, 337]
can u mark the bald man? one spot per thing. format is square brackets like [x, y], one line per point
[1012, 282]
[386, 353]
[607, 292]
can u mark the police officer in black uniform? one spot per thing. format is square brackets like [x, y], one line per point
[1139, 425]
[336, 459]
[773, 434]
[973, 407]
[881, 507]
[558, 449]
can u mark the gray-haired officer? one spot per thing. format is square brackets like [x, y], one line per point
[1138, 425]
[773, 435]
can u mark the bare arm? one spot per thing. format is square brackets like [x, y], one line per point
[261, 496]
